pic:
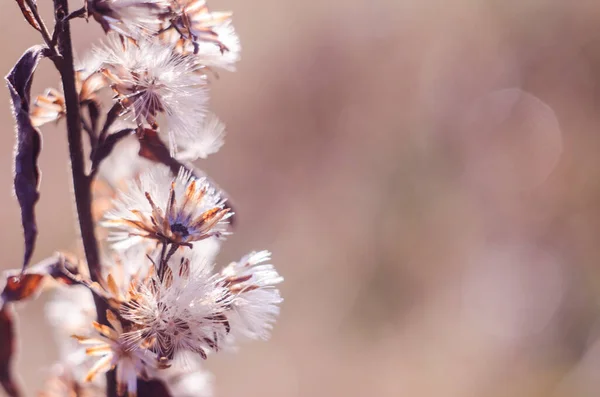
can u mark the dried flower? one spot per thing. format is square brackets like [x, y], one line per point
[50, 106]
[195, 23]
[149, 80]
[193, 309]
[209, 139]
[182, 311]
[207, 54]
[130, 361]
[177, 211]
[255, 302]
[167, 308]
[47, 107]
[63, 383]
[130, 18]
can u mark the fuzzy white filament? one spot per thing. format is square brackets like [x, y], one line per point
[180, 312]
[157, 207]
[255, 303]
[208, 140]
[150, 80]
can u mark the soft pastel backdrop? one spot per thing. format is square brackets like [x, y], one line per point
[427, 176]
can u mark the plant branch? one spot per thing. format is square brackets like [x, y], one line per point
[111, 117]
[81, 183]
[105, 147]
[42, 26]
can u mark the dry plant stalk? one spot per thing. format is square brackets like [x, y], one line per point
[145, 304]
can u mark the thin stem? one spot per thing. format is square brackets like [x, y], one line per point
[111, 117]
[81, 183]
[43, 29]
[162, 264]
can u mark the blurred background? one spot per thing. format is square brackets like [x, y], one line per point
[427, 176]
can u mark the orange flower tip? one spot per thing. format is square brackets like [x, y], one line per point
[90, 377]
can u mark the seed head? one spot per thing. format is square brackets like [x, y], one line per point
[130, 361]
[182, 311]
[150, 80]
[254, 298]
[176, 211]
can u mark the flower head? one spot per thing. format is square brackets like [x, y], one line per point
[177, 211]
[224, 55]
[209, 139]
[196, 24]
[255, 299]
[48, 107]
[130, 18]
[150, 80]
[180, 311]
[130, 361]
[192, 309]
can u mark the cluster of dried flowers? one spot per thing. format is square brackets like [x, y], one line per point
[155, 306]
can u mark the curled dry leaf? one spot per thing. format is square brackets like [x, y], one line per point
[28, 284]
[29, 143]
[154, 149]
[28, 14]
[7, 350]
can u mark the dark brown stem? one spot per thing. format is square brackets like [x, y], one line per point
[43, 29]
[162, 263]
[81, 183]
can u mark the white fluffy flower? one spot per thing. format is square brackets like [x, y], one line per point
[255, 303]
[177, 211]
[190, 308]
[191, 384]
[209, 139]
[180, 311]
[210, 55]
[196, 23]
[149, 80]
[207, 54]
[130, 361]
[69, 311]
[131, 18]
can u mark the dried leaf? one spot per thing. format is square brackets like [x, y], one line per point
[21, 287]
[7, 350]
[28, 284]
[154, 149]
[29, 143]
[28, 14]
